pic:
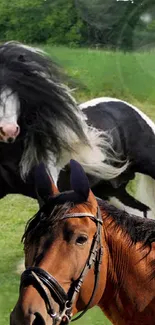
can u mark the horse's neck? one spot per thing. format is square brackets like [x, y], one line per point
[128, 287]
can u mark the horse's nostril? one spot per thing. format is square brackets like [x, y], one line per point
[1, 130]
[17, 129]
[38, 320]
[10, 140]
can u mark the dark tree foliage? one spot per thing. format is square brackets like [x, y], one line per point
[113, 22]
[110, 23]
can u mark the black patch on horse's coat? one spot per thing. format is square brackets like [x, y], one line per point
[10, 179]
[132, 137]
[104, 189]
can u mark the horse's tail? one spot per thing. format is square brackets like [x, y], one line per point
[145, 192]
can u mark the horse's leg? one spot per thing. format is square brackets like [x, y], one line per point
[121, 198]
[106, 191]
[124, 200]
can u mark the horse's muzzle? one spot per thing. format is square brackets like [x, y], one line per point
[9, 132]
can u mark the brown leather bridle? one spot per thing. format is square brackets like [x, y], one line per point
[42, 280]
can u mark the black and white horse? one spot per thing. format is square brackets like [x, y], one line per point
[133, 135]
[40, 121]
[133, 138]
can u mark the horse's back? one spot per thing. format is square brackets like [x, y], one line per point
[109, 113]
[133, 133]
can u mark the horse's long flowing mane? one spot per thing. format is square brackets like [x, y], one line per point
[53, 126]
[139, 229]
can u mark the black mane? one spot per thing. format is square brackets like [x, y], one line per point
[139, 229]
[44, 101]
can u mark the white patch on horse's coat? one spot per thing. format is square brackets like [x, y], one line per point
[54, 170]
[99, 100]
[28, 160]
[32, 49]
[27, 47]
[92, 157]
[145, 192]
[118, 204]
[150, 214]
[94, 102]
[9, 106]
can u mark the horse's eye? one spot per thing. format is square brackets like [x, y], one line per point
[81, 240]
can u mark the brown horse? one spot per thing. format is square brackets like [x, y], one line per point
[80, 253]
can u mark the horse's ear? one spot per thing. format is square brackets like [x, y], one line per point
[78, 179]
[45, 186]
[80, 184]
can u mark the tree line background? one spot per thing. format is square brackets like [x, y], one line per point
[123, 24]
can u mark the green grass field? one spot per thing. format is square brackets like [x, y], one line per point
[128, 76]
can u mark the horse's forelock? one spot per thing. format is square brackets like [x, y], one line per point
[45, 221]
[47, 109]
[24, 68]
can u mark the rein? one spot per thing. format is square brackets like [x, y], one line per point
[42, 280]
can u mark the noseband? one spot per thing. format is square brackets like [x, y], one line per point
[42, 280]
